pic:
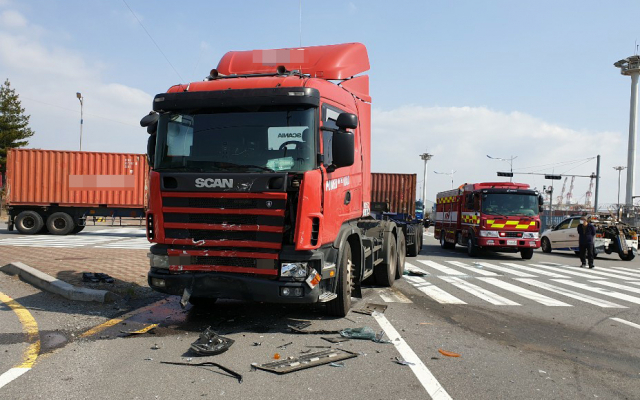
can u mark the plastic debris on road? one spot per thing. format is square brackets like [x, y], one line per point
[306, 361]
[370, 308]
[210, 343]
[448, 353]
[400, 361]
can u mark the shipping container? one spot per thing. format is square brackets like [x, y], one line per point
[398, 190]
[77, 184]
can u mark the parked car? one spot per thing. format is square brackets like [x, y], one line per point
[564, 236]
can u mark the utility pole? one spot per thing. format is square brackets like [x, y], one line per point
[619, 169]
[630, 66]
[595, 198]
[549, 191]
[79, 96]
[425, 157]
[510, 160]
[447, 173]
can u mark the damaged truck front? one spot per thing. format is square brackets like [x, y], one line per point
[261, 182]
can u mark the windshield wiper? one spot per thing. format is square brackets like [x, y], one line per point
[232, 165]
[181, 168]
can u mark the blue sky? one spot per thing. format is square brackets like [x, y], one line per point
[460, 79]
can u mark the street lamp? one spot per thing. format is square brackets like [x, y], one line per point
[510, 163]
[619, 169]
[447, 173]
[79, 96]
[425, 157]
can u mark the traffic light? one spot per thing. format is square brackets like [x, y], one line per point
[553, 177]
[505, 174]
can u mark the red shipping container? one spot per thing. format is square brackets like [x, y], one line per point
[399, 190]
[76, 178]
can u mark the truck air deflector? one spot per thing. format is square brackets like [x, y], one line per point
[236, 98]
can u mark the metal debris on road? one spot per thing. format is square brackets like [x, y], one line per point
[306, 361]
[411, 272]
[335, 340]
[300, 328]
[284, 346]
[210, 343]
[448, 353]
[257, 343]
[337, 364]
[208, 364]
[155, 347]
[400, 361]
[370, 308]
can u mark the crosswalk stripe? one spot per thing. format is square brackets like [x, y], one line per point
[596, 271]
[70, 241]
[476, 269]
[590, 271]
[571, 293]
[479, 292]
[635, 275]
[505, 269]
[537, 297]
[568, 270]
[634, 270]
[441, 268]
[603, 291]
[626, 322]
[388, 295]
[634, 283]
[537, 271]
[433, 291]
[618, 286]
[127, 231]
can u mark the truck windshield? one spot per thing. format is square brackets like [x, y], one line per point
[510, 204]
[271, 139]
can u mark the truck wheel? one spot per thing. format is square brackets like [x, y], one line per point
[78, 229]
[526, 254]
[546, 245]
[402, 252]
[203, 302]
[29, 222]
[627, 257]
[385, 272]
[414, 248]
[340, 306]
[472, 250]
[443, 242]
[60, 223]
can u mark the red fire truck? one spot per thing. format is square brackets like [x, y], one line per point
[261, 182]
[497, 216]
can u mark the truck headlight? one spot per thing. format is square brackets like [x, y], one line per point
[293, 270]
[489, 234]
[530, 235]
[158, 261]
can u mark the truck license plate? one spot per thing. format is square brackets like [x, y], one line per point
[512, 242]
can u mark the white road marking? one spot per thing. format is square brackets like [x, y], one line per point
[537, 297]
[634, 270]
[388, 295]
[596, 271]
[442, 268]
[618, 286]
[567, 270]
[11, 374]
[634, 275]
[505, 269]
[538, 271]
[626, 322]
[479, 292]
[426, 378]
[433, 291]
[571, 293]
[137, 244]
[603, 291]
[120, 231]
[634, 283]
[48, 241]
[476, 269]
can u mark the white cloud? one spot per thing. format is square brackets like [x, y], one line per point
[461, 138]
[12, 19]
[47, 77]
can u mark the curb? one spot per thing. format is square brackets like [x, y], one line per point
[50, 284]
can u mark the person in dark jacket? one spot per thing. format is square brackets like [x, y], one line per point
[587, 232]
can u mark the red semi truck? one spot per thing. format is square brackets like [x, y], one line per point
[497, 216]
[261, 182]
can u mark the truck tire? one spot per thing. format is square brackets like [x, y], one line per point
[526, 254]
[472, 249]
[29, 223]
[402, 252]
[78, 229]
[60, 223]
[443, 242]
[414, 248]
[421, 239]
[202, 302]
[340, 306]
[627, 257]
[546, 245]
[385, 272]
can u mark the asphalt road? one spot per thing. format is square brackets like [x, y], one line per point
[534, 329]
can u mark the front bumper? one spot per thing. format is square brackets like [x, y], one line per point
[507, 244]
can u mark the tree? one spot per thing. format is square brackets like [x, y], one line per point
[14, 124]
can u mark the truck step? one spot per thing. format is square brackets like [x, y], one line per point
[327, 296]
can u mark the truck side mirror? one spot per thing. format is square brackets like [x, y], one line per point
[151, 122]
[347, 121]
[343, 149]
[540, 200]
[151, 150]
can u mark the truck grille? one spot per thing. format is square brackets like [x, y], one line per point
[513, 234]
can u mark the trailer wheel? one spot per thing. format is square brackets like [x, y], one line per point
[546, 245]
[526, 254]
[60, 223]
[340, 306]
[29, 222]
[385, 272]
[627, 257]
[472, 250]
[414, 248]
[402, 252]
